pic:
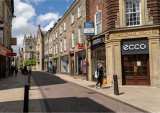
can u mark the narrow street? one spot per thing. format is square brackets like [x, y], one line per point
[62, 96]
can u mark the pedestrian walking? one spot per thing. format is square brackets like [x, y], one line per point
[99, 73]
[16, 71]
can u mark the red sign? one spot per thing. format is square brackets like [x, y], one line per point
[80, 46]
[11, 54]
[4, 50]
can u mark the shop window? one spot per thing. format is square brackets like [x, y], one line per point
[132, 12]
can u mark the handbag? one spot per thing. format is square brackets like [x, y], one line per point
[96, 74]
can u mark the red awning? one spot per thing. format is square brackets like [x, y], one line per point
[4, 50]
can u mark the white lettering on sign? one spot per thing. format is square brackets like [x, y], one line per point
[127, 47]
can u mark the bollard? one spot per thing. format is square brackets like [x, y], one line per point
[26, 99]
[116, 89]
[29, 80]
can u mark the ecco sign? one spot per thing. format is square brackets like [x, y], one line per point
[135, 47]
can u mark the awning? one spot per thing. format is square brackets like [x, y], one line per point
[4, 51]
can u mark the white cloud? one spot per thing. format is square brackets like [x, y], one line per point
[22, 23]
[47, 20]
[36, 2]
[26, 20]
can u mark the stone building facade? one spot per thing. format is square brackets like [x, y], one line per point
[68, 39]
[40, 49]
[6, 15]
[132, 40]
[29, 49]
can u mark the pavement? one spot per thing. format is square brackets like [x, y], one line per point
[146, 98]
[60, 95]
[64, 93]
[12, 95]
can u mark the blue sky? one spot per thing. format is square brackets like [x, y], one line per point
[30, 13]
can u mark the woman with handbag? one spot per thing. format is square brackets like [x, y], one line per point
[99, 74]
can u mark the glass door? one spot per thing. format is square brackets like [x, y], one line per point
[135, 69]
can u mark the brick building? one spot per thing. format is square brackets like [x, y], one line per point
[69, 41]
[126, 40]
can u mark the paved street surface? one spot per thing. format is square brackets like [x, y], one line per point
[50, 93]
[62, 96]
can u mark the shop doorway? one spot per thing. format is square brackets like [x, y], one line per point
[135, 70]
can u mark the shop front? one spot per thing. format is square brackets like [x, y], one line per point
[72, 62]
[4, 61]
[64, 64]
[56, 64]
[98, 54]
[80, 63]
[135, 62]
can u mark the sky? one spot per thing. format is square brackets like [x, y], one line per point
[31, 13]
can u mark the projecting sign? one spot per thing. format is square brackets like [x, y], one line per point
[135, 47]
[89, 28]
[1, 36]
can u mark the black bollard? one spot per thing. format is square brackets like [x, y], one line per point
[26, 99]
[116, 89]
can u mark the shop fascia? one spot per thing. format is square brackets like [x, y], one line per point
[138, 46]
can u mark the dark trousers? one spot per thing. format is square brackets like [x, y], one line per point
[99, 81]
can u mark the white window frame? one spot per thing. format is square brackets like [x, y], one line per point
[72, 18]
[79, 12]
[99, 23]
[79, 35]
[65, 44]
[129, 13]
[72, 40]
[64, 26]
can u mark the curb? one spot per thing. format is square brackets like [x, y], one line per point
[145, 111]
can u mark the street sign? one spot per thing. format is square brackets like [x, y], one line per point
[89, 28]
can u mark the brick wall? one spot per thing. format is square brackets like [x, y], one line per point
[154, 10]
[92, 6]
[110, 11]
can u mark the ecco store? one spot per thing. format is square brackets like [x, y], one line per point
[135, 61]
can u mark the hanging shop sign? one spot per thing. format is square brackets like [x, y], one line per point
[89, 28]
[80, 46]
[4, 50]
[135, 47]
[1, 35]
[11, 54]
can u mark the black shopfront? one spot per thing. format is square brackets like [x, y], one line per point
[135, 62]
[98, 53]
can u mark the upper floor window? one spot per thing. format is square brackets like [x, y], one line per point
[98, 22]
[72, 18]
[132, 12]
[56, 35]
[65, 44]
[64, 26]
[79, 36]
[73, 40]
[79, 11]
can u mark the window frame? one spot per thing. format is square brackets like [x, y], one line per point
[140, 14]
